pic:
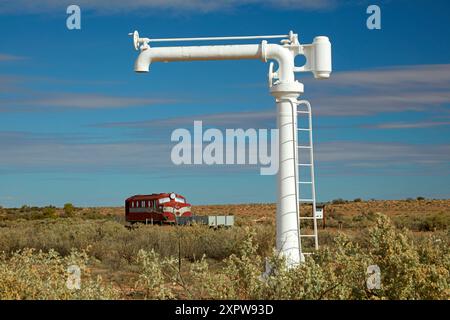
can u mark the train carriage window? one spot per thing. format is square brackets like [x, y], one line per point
[143, 203]
[137, 204]
[132, 204]
[164, 200]
[180, 200]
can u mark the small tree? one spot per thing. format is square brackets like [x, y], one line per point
[69, 209]
[338, 201]
[47, 212]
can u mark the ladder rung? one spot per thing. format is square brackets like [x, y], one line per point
[304, 147]
[305, 182]
[304, 164]
[307, 235]
[301, 111]
[304, 129]
[306, 200]
[306, 218]
[307, 253]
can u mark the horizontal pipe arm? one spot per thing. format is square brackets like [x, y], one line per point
[188, 53]
[263, 52]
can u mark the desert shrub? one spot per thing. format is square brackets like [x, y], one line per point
[202, 263]
[93, 214]
[339, 201]
[424, 222]
[156, 275]
[406, 267]
[438, 221]
[244, 269]
[117, 246]
[29, 213]
[408, 270]
[420, 198]
[208, 284]
[357, 200]
[69, 209]
[362, 220]
[31, 274]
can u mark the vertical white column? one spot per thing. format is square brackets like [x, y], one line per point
[288, 233]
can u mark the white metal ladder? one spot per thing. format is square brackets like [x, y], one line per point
[299, 167]
[306, 166]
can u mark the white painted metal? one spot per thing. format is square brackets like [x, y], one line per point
[137, 40]
[318, 58]
[284, 88]
[311, 182]
[287, 219]
[279, 36]
[319, 213]
[220, 221]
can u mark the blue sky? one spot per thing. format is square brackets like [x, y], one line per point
[78, 125]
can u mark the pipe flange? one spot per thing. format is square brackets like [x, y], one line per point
[264, 50]
[282, 88]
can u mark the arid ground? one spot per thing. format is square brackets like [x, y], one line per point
[171, 262]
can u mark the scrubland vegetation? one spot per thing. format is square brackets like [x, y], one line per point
[38, 244]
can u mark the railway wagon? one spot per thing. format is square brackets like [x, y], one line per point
[156, 208]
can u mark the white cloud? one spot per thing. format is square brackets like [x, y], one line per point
[147, 6]
[382, 154]
[90, 101]
[394, 89]
[31, 152]
[261, 119]
[72, 100]
[409, 125]
[26, 151]
[419, 88]
[10, 57]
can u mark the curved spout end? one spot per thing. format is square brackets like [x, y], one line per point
[322, 75]
[142, 64]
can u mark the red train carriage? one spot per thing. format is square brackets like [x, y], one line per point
[156, 208]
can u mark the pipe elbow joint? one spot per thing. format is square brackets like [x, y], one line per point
[143, 61]
[285, 60]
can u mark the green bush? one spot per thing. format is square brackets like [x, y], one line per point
[31, 274]
[69, 210]
[156, 275]
[424, 222]
[201, 263]
[409, 270]
[117, 246]
[339, 201]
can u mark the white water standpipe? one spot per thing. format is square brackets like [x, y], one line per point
[286, 91]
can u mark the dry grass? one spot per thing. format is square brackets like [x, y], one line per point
[113, 249]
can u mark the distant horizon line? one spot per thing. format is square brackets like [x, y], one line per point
[336, 201]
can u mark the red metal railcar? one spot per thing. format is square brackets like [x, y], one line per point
[156, 208]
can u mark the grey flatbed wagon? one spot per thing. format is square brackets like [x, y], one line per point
[213, 221]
